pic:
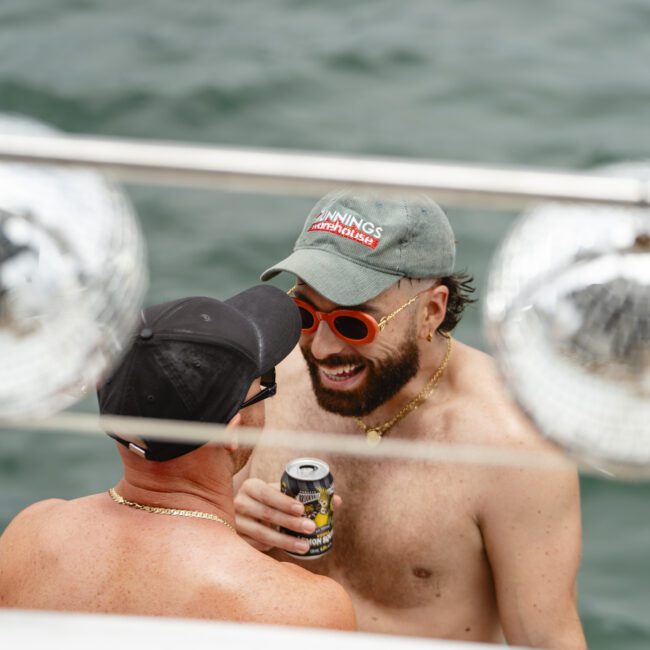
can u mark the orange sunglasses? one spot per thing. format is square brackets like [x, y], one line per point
[350, 325]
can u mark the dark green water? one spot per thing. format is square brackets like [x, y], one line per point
[556, 83]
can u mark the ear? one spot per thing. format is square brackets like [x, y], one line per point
[434, 309]
[233, 443]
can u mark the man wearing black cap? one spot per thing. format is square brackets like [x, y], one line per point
[461, 551]
[162, 541]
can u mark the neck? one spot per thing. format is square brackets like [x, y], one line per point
[432, 355]
[200, 480]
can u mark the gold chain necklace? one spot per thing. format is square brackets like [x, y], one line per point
[118, 498]
[374, 434]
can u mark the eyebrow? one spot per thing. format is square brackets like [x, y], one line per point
[365, 308]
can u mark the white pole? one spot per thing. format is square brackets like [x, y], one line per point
[265, 170]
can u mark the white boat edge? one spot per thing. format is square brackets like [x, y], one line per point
[77, 631]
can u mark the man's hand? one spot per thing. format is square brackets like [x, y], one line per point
[261, 508]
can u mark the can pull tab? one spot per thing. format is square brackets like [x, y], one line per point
[307, 471]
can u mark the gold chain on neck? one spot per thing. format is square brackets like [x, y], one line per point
[118, 498]
[374, 434]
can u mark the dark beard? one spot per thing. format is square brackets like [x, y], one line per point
[384, 379]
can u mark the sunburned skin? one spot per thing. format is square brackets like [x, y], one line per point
[133, 562]
[94, 555]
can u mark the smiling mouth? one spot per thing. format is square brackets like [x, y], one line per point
[341, 373]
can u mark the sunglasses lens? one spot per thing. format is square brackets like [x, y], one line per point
[307, 318]
[351, 327]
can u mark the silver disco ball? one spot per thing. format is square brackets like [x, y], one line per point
[72, 279]
[568, 315]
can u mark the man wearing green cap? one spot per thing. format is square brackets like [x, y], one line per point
[461, 551]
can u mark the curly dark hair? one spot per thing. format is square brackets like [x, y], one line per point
[460, 295]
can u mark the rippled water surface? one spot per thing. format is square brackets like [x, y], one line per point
[553, 84]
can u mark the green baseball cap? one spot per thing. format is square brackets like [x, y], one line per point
[354, 246]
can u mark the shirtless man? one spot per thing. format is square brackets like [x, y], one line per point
[192, 359]
[440, 550]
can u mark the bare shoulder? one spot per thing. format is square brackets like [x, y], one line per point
[23, 536]
[484, 410]
[30, 518]
[485, 414]
[322, 601]
[537, 478]
[44, 521]
[283, 593]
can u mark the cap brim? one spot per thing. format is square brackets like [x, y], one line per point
[276, 320]
[338, 279]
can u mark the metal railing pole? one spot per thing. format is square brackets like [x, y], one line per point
[305, 173]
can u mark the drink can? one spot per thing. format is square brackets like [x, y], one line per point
[309, 480]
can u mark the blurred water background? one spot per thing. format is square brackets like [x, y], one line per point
[561, 83]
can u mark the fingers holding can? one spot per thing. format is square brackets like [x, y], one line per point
[261, 508]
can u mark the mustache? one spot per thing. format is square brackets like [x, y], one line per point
[334, 360]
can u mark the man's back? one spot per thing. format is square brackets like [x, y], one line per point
[94, 556]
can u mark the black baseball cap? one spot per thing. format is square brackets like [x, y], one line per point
[195, 359]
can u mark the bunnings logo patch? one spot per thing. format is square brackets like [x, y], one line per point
[347, 225]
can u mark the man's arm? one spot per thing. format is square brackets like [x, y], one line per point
[530, 522]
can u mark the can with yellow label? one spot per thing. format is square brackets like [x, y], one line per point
[309, 480]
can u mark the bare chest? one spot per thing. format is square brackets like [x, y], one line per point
[404, 533]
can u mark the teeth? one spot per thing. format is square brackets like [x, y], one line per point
[340, 372]
[343, 370]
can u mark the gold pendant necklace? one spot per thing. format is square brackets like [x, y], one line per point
[374, 434]
[118, 498]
